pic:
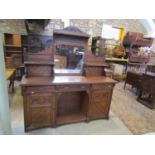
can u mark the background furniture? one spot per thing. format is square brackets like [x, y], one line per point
[98, 46]
[10, 73]
[147, 91]
[133, 79]
[135, 38]
[14, 45]
[142, 77]
[116, 62]
[132, 41]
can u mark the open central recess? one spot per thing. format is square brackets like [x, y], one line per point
[72, 106]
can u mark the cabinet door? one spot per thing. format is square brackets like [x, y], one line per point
[39, 111]
[16, 40]
[100, 103]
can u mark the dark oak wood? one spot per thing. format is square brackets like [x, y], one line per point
[38, 57]
[70, 98]
[34, 81]
[147, 91]
[58, 97]
[133, 79]
[145, 84]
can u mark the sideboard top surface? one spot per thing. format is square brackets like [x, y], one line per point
[56, 80]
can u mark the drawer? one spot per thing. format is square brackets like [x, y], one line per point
[39, 90]
[102, 86]
[71, 87]
[40, 101]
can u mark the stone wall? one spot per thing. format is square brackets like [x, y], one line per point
[18, 26]
[91, 26]
[53, 24]
[94, 26]
[12, 26]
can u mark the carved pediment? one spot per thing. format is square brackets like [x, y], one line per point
[71, 30]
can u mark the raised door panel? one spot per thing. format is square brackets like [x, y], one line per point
[39, 111]
[99, 106]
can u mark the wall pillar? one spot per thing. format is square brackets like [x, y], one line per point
[4, 100]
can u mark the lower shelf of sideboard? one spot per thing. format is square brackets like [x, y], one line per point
[70, 118]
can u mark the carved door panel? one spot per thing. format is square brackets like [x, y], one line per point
[100, 103]
[40, 110]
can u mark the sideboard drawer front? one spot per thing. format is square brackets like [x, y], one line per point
[41, 101]
[39, 90]
[72, 87]
[102, 86]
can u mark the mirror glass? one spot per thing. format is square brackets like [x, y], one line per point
[69, 57]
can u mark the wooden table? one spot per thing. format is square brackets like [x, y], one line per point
[10, 72]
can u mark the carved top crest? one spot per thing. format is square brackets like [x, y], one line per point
[71, 31]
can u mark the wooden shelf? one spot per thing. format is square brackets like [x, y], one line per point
[19, 52]
[63, 72]
[38, 63]
[70, 118]
[95, 64]
[7, 45]
[25, 45]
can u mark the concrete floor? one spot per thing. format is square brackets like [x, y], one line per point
[113, 126]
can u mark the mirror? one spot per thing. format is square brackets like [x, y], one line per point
[69, 57]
